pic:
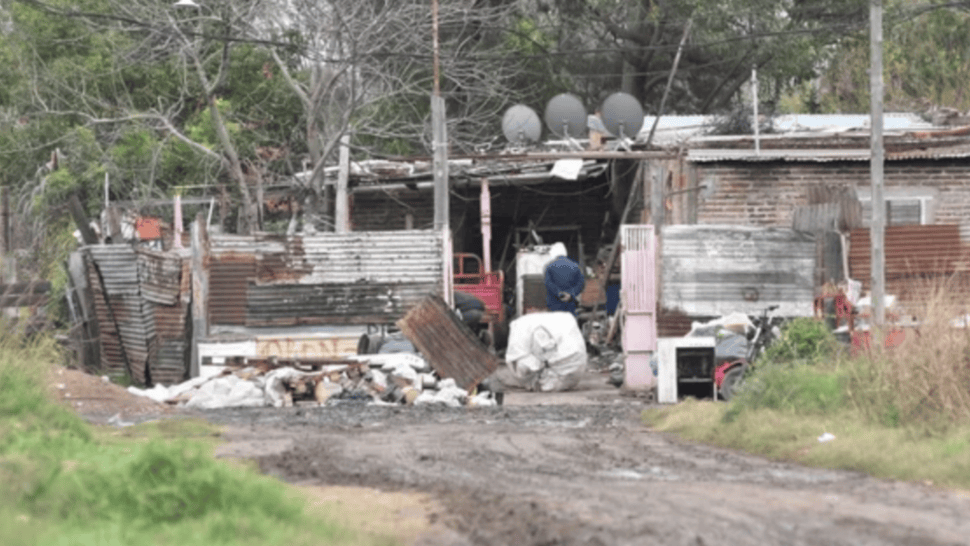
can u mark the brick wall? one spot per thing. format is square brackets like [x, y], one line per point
[767, 193]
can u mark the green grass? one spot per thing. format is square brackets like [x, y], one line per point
[860, 444]
[900, 413]
[64, 482]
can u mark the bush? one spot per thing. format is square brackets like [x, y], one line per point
[790, 387]
[803, 339]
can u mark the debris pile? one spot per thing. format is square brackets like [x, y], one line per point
[390, 379]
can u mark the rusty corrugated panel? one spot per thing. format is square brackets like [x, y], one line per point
[112, 355]
[229, 275]
[713, 270]
[356, 278]
[117, 267]
[160, 276]
[136, 327]
[171, 362]
[332, 303]
[450, 347]
[169, 366]
[915, 257]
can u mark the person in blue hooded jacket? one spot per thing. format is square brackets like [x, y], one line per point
[564, 282]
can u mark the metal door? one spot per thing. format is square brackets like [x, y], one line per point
[638, 282]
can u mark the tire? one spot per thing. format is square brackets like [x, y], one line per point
[733, 379]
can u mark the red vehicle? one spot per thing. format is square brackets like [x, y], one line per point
[488, 286]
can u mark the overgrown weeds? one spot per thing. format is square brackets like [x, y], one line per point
[922, 377]
[60, 485]
[899, 409]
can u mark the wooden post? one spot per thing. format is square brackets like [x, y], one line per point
[81, 220]
[342, 204]
[8, 270]
[200, 290]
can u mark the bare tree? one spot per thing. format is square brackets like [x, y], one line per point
[365, 67]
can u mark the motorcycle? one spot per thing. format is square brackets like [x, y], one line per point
[729, 367]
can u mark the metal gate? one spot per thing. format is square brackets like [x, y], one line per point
[638, 278]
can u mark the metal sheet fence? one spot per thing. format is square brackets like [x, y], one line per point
[713, 270]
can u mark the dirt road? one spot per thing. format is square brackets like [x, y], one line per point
[579, 468]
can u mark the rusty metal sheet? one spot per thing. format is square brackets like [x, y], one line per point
[713, 270]
[916, 257]
[136, 328]
[450, 347]
[331, 303]
[169, 366]
[160, 276]
[113, 360]
[229, 276]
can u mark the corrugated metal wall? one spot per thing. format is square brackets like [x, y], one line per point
[712, 270]
[141, 300]
[344, 278]
[916, 257]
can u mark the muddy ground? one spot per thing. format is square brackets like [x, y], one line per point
[579, 468]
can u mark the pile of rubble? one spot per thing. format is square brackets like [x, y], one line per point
[390, 379]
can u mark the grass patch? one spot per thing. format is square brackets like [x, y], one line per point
[64, 482]
[861, 445]
[898, 410]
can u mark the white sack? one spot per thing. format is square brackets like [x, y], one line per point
[546, 351]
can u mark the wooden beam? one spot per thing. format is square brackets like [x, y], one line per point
[200, 290]
[81, 220]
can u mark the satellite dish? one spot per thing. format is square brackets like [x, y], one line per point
[622, 115]
[566, 116]
[521, 125]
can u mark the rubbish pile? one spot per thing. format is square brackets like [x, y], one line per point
[388, 379]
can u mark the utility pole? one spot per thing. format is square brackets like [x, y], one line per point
[877, 229]
[439, 132]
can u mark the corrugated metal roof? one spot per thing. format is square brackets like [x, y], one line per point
[448, 345]
[817, 154]
[822, 155]
[712, 270]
